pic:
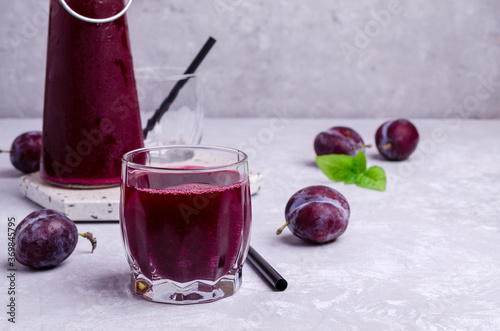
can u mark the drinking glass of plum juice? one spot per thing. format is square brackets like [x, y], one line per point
[185, 217]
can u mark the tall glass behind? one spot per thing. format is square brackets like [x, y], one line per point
[91, 111]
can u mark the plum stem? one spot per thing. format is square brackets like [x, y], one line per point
[3, 151]
[282, 228]
[91, 238]
[363, 146]
[386, 146]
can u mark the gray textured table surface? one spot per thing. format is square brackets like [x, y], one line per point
[424, 255]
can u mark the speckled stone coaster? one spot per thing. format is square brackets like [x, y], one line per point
[86, 205]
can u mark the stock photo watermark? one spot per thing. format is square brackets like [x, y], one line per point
[372, 29]
[256, 143]
[151, 80]
[259, 314]
[252, 146]
[93, 137]
[454, 117]
[198, 204]
[11, 271]
[30, 27]
[223, 7]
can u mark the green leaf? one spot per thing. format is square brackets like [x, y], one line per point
[337, 167]
[352, 170]
[352, 180]
[374, 178]
[360, 162]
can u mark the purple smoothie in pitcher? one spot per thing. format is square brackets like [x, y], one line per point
[91, 111]
[186, 232]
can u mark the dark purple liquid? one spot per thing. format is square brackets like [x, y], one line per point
[91, 112]
[189, 231]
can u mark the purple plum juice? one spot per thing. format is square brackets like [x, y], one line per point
[91, 111]
[185, 232]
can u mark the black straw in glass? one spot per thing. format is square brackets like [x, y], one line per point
[266, 270]
[165, 105]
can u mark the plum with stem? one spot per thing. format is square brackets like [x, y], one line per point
[45, 238]
[396, 140]
[317, 214]
[339, 140]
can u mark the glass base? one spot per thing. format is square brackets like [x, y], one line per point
[198, 291]
[80, 186]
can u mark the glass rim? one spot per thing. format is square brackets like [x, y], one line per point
[174, 73]
[139, 166]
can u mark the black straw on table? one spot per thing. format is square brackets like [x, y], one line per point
[266, 270]
[165, 105]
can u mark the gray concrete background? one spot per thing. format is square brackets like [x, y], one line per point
[378, 58]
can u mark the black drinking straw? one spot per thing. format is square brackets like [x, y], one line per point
[165, 105]
[266, 270]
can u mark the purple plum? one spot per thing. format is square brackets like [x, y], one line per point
[338, 140]
[44, 239]
[396, 140]
[317, 213]
[25, 151]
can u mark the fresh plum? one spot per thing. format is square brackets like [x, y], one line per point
[317, 213]
[45, 238]
[25, 151]
[338, 140]
[396, 140]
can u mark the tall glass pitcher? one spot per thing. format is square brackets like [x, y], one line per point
[91, 111]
